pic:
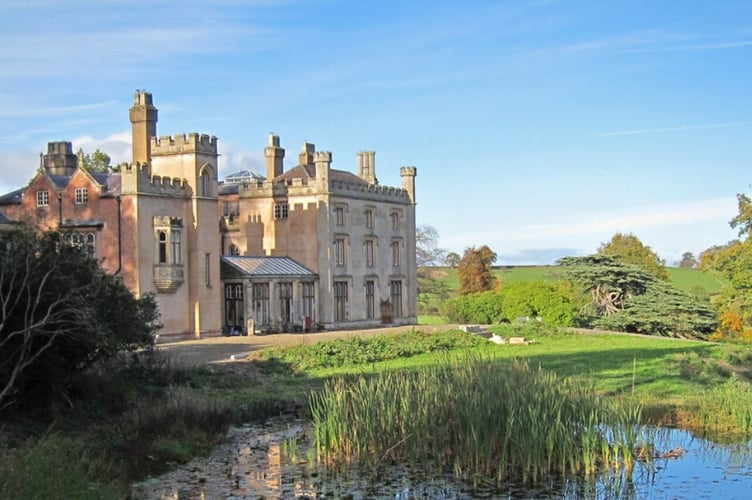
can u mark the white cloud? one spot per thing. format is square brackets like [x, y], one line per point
[17, 166]
[232, 159]
[642, 218]
[117, 146]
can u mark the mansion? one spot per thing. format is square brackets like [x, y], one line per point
[288, 251]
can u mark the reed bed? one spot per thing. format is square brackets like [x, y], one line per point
[478, 418]
[725, 407]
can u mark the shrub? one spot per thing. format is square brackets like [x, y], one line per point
[482, 307]
[554, 303]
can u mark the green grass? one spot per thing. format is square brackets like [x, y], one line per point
[691, 280]
[685, 279]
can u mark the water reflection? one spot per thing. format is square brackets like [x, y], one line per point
[277, 461]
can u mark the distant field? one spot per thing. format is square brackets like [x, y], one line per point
[690, 279]
[684, 279]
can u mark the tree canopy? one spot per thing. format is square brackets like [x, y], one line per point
[98, 161]
[733, 262]
[688, 261]
[625, 297]
[475, 270]
[59, 314]
[629, 249]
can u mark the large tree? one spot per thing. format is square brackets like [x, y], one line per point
[432, 287]
[733, 262]
[60, 313]
[427, 250]
[688, 261]
[475, 270]
[625, 297]
[629, 249]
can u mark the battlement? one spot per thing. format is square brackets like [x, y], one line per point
[138, 179]
[184, 143]
[142, 98]
[322, 157]
[408, 171]
[373, 192]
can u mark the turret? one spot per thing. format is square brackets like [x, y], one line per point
[408, 181]
[143, 126]
[274, 157]
[323, 161]
[367, 166]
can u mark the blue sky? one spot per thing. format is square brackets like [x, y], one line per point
[540, 128]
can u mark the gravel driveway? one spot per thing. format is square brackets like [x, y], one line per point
[228, 349]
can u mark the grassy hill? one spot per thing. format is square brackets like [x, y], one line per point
[685, 279]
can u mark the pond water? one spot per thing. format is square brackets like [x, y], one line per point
[275, 460]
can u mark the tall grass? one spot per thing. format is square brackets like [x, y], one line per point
[57, 467]
[476, 417]
[727, 406]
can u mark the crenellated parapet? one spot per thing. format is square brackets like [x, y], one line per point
[373, 192]
[138, 179]
[185, 143]
[264, 189]
[408, 171]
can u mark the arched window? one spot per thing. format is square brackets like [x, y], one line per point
[91, 245]
[205, 183]
[234, 250]
[162, 247]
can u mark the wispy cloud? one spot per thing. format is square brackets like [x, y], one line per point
[54, 110]
[670, 129]
[645, 217]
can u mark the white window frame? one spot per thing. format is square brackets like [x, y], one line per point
[82, 196]
[43, 198]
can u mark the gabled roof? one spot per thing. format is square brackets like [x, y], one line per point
[234, 266]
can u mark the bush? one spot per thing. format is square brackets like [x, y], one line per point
[62, 313]
[482, 307]
[554, 303]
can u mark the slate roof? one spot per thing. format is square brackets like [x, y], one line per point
[234, 266]
[12, 197]
[309, 172]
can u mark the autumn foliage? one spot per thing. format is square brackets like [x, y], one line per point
[475, 270]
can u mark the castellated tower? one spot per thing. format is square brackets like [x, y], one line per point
[408, 181]
[323, 162]
[143, 116]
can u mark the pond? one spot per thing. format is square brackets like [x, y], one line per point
[276, 460]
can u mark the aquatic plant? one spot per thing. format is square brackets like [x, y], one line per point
[477, 417]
